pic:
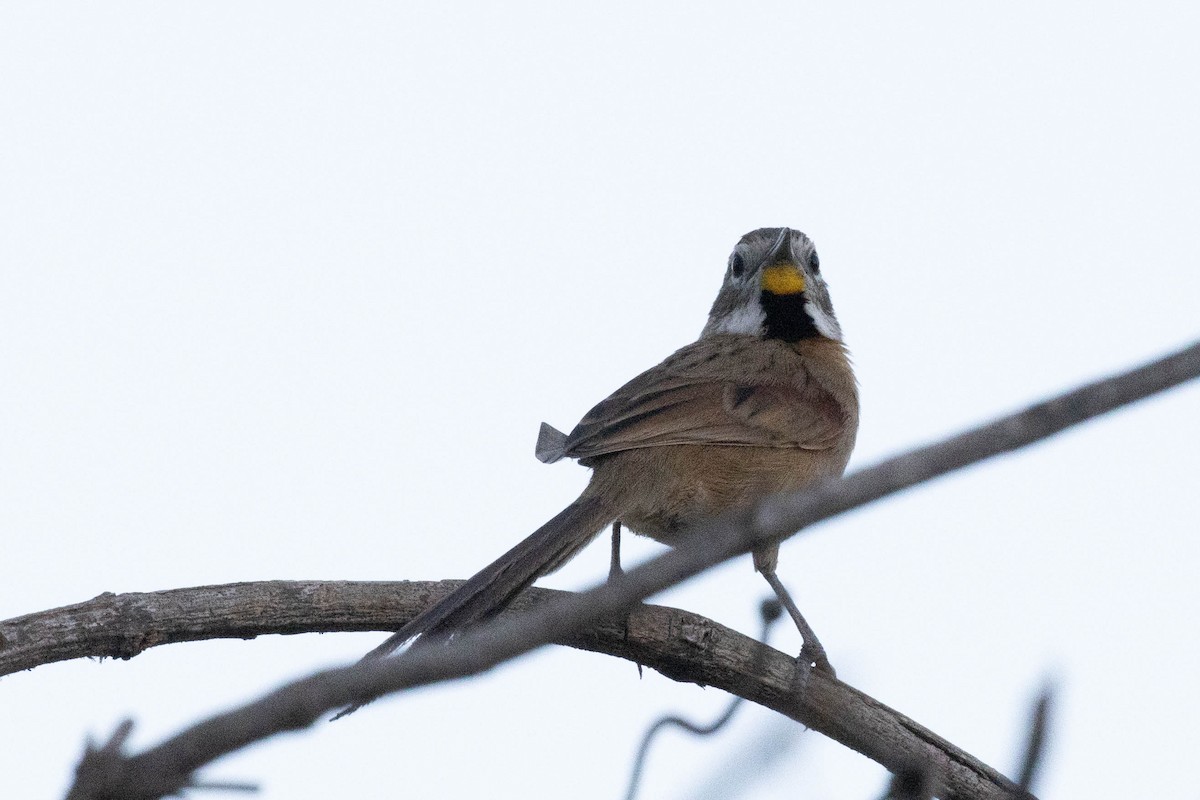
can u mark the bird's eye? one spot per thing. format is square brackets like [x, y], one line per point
[737, 265]
[814, 263]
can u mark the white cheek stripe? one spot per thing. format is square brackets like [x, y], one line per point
[747, 319]
[826, 325]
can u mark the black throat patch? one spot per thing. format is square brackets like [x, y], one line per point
[786, 317]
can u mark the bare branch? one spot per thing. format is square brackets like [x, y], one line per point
[123, 625]
[167, 767]
[1035, 746]
[681, 645]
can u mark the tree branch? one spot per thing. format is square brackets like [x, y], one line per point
[123, 625]
[681, 645]
[105, 772]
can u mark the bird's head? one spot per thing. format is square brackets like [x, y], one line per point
[773, 289]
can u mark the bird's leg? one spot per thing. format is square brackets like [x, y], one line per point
[615, 571]
[811, 652]
[614, 564]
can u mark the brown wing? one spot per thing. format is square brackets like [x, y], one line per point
[763, 398]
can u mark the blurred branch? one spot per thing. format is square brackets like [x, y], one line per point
[1035, 745]
[914, 782]
[769, 612]
[859, 722]
[773, 746]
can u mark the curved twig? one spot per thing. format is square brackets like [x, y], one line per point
[769, 612]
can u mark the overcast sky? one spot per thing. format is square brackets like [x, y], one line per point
[286, 288]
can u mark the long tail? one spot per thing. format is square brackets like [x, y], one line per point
[495, 586]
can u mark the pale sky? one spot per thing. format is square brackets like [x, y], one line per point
[286, 288]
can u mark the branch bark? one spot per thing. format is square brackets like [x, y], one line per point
[106, 772]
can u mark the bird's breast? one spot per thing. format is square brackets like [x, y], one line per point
[661, 491]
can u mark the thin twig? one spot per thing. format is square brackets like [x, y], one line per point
[917, 781]
[776, 742]
[1035, 746]
[769, 613]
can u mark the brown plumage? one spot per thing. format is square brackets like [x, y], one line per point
[765, 401]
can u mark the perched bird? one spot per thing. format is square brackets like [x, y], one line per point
[764, 401]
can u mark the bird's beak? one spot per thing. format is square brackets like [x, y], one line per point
[780, 274]
[781, 250]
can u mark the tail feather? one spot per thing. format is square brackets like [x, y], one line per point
[495, 586]
[551, 444]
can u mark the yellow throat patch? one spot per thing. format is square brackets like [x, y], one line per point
[783, 279]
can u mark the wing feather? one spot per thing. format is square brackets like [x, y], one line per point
[680, 402]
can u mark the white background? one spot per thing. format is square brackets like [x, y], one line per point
[286, 288]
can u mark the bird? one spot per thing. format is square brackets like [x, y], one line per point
[764, 401]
